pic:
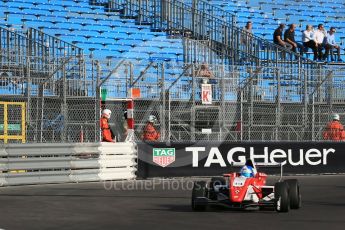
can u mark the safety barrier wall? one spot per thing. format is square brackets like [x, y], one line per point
[215, 158]
[63, 163]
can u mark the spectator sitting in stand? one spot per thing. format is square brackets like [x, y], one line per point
[308, 40]
[331, 45]
[289, 37]
[204, 71]
[319, 38]
[278, 38]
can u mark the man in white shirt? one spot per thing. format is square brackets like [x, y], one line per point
[308, 40]
[319, 38]
[331, 45]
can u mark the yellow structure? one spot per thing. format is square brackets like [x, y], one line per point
[16, 122]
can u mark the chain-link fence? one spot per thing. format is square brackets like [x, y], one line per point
[245, 103]
[59, 102]
[248, 103]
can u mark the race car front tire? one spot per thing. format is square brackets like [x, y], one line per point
[199, 190]
[281, 195]
[294, 194]
[215, 181]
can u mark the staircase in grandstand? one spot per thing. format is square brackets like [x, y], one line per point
[159, 47]
[33, 58]
[200, 20]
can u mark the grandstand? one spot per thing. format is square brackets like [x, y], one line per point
[63, 53]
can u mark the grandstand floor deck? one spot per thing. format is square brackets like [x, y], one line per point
[91, 206]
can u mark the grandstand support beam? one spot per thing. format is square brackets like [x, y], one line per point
[181, 75]
[142, 73]
[60, 67]
[111, 72]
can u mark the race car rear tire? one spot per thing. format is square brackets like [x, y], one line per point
[215, 181]
[281, 195]
[199, 190]
[294, 194]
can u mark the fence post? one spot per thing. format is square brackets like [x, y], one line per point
[98, 102]
[251, 106]
[193, 103]
[163, 99]
[278, 106]
[64, 104]
[28, 94]
[313, 118]
[306, 98]
[222, 99]
[330, 89]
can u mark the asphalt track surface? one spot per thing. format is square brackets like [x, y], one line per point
[157, 204]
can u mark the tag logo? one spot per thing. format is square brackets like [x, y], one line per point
[163, 156]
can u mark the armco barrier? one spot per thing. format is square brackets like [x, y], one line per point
[61, 163]
[214, 158]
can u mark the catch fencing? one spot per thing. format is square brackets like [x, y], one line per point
[62, 163]
[247, 103]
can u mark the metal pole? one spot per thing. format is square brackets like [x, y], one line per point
[222, 98]
[64, 106]
[28, 92]
[306, 98]
[163, 109]
[193, 105]
[98, 104]
[278, 110]
[241, 113]
[169, 117]
[251, 107]
[313, 119]
[330, 88]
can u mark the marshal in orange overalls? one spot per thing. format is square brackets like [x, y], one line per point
[334, 131]
[150, 133]
[107, 134]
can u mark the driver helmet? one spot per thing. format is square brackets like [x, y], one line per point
[247, 171]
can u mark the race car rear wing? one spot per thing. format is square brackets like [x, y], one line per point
[260, 164]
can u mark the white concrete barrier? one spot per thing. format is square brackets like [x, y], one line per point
[63, 163]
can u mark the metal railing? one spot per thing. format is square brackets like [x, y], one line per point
[201, 21]
[248, 102]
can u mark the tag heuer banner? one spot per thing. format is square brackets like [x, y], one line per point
[163, 156]
[215, 158]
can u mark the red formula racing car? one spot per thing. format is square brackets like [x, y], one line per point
[237, 191]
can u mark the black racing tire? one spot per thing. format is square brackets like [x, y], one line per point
[215, 181]
[199, 190]
[281, 195]
[294, 194]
